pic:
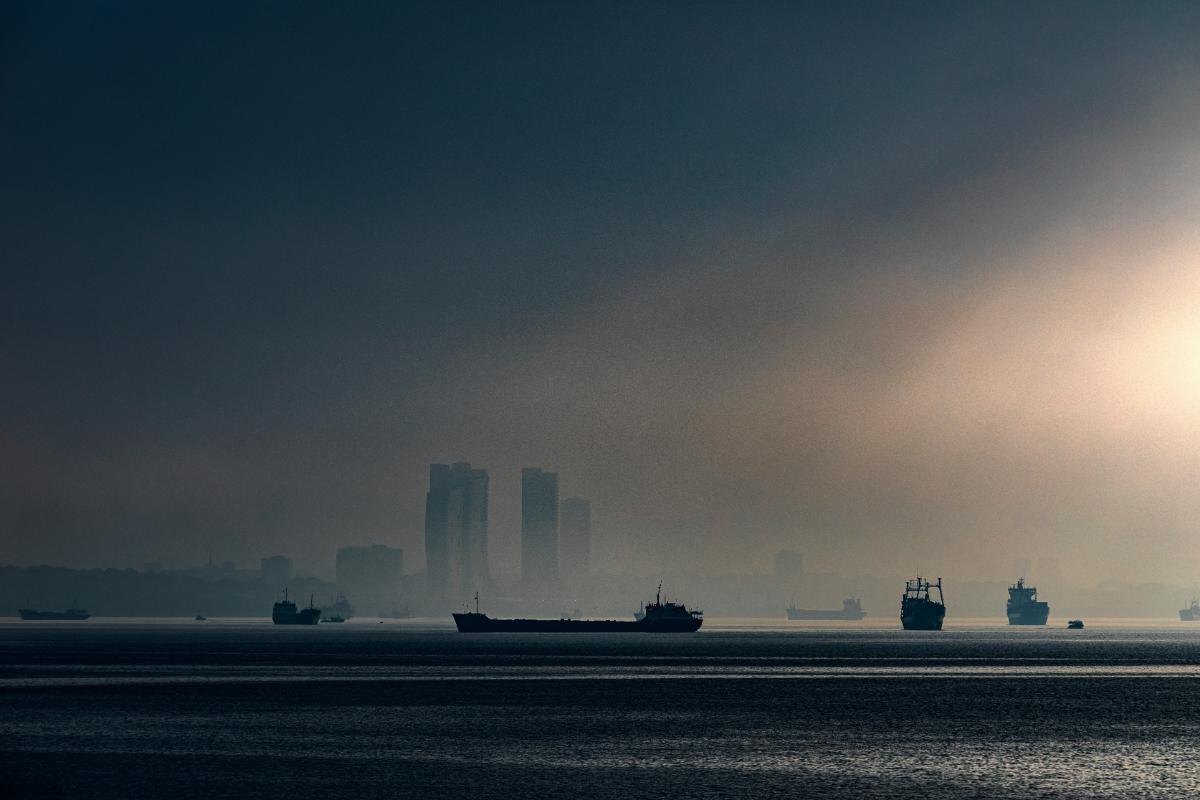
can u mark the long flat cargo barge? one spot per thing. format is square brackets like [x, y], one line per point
[661, 616]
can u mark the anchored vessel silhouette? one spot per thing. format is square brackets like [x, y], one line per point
[1191, 613]
[70, 613]
[340, 611]
[286, 613]
[918, 610]
[851, 609]
[661, 616]
[1023, 606]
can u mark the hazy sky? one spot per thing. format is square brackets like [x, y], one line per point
[888, 283]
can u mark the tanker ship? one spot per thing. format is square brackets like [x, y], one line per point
[661, 616]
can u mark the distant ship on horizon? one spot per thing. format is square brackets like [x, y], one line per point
[918, 610]
[1023, 606]
[286, 613]
[398, 612]
[75, 614]
[661, 616]
[340, 611]
[851, 609]
[1191, 613]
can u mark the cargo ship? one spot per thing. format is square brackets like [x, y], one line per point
[1191, 613]
[340, 611]
[918, 610]
[661, 616]
[851, 609]
[1023, 606]
[286, 613]
[70, 614]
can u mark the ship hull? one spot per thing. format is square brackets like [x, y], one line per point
[482, 623]
[922, 615]
[308, 616]
[1035, 613]
[31, 614]
[1187, 615]
[809, 613]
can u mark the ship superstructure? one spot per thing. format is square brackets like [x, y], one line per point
[918, 610]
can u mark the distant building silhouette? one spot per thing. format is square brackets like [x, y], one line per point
[575, 537]
[456, 527]
[374, 571]
[277, 571]
[539, 527]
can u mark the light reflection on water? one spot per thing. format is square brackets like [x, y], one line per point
[245, 713]
[132, 676]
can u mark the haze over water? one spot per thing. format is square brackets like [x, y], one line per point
[888, 285]
[773, 301]
[367, 710]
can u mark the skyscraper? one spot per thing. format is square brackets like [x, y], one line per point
[539, 527]
[575, 537]
[456, 520]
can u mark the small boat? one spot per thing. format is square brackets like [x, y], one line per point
[200, 618]
[1075, 624]
[334, 618]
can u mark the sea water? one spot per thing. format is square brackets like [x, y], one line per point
[244, 709]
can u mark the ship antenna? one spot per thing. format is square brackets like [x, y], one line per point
[477, 602]
[658, 594]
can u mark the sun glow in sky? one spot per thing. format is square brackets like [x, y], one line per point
[874, 286]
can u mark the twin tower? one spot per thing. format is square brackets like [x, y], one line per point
[456, 532]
